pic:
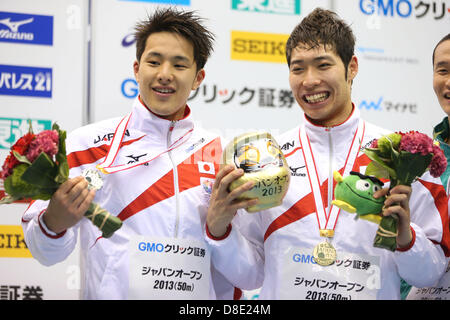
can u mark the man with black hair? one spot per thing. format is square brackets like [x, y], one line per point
[280, 249]
[441, 86]
[161, 195]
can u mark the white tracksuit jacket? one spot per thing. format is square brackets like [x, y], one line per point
[256, 249]
[166, 198]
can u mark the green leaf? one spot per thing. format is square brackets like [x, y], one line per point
[17, 188]
[376, 170]
[42, 172]
[413, 165]
[21, 158]
[61, 157]
[373, 155]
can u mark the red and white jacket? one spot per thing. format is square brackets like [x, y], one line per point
[165, 198]
[252, 254]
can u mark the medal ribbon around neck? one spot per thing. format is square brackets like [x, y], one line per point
[106, 166]
[325, 221]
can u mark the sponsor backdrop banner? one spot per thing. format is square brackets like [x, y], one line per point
[46, 76]
[246, 85]
[42, 79]
[395, 42]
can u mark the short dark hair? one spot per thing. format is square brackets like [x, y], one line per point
[323, 27]
[183, 23]
[447, 37]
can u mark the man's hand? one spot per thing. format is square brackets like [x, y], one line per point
[397, 203]
[68, 204]
[224, 204]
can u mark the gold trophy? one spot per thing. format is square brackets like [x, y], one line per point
[259, 155]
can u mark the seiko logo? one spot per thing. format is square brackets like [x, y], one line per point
[288, 145]
[295, 173]
[252, 46]
[12, 242]
[108, 137]
[258, 46]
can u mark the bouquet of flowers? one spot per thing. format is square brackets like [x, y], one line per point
[402, 158]
[37, 166]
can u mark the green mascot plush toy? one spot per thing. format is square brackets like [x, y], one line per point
[354, 194]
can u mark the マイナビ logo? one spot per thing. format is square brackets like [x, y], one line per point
[26, 28]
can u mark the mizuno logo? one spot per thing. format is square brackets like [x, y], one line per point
[14, 26]
[295, 173]
[135, 158]
[26, 28]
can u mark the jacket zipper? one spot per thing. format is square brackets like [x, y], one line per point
[330, 170]
[175, 180]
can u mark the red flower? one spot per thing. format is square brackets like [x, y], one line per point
[21, 147]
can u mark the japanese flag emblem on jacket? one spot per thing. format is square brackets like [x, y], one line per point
[206, 167]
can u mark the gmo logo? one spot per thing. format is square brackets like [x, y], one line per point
[129, 88]
[303, 258]
[150, 246]
[401, 8]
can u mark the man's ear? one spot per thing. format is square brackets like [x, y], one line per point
[352, 69]
[136, 70]
[198, 79]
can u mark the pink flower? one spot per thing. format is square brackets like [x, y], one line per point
[416, 142]
[374, 144]
[46, 141]
[438, 163]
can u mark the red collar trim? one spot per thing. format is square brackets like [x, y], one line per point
[337, 125]
[187, 111]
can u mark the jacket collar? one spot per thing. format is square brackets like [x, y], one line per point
[350, 124]
[155, 127]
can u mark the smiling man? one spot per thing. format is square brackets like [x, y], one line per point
[308, 248]
[160, 194]
[167, 73]
[441, 86]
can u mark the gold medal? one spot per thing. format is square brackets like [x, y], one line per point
[324, 254]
